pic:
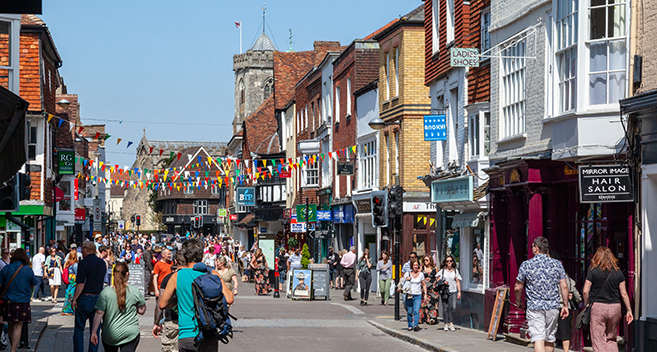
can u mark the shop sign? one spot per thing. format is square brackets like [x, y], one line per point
[464, 57]
[245, 196]
[221, 212]
[419, 207]
[323, 215]
[80, 214]
[363, 205]
[311, 215]
[11, 227]
[452, 190]
[75, 189]
[232, 217]
[298, 227]
[169, 219]
[66, 162]
[605, 184]
[285, 174]
[345, 168]
[343, 214]
[435, 128]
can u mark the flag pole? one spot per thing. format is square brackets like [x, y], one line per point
[240, 37]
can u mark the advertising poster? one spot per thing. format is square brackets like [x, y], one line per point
[266, 243]
[301, 282]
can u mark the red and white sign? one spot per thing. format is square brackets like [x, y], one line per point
[233, 217]
[75, 189]
[59, 194]
[285, 174]
[80, 214]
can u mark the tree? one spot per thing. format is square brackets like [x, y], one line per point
[292, 242]
[305, 256]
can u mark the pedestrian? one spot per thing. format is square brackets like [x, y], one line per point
[282, 268]
[364, 276]
[104, 254]
[339, 270]
[54, 269]
[17, 282]
[98, 241]
[161, 269]
[166, 320]
[406, 268]
[348, 262]
[259, 265]
[37, 265]
[72, 265]
[414, 300]
[180, 285]
[209, 258]
[118, 307]
[89, 283]
[294, 260]
[603, 289]
[543, 279]
[227, 274]
[331, 259]
[147, 259]
[449, 275]
[384, 272]
[564, 325]
[429, 307]
[127, 254]
[4, 261]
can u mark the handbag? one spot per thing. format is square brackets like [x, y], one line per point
[65, 275]
[2, 300]
[584, 317]
[404, 286]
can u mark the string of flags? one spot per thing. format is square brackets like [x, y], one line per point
[424, 219]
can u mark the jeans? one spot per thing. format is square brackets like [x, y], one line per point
[413, 305]
[365, 280]
[85, 311]
[187, 345]
[384, 287]
[37, 287]
[449, 308]
[126, 347]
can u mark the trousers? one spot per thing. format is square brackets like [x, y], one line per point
[449, 308]
[365, 280]
[349, 281]
[605, 318]
[384, 287]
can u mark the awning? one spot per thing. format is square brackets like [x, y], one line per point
[468, 219]
[247, 219]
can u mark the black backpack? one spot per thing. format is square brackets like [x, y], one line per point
[210, 307]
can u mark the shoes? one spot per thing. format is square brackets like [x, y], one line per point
[36, 300]
[365, 303]
[410, 329]
[446, 328]
[24, 346]
[451, 327]
[345, 297]
[361, 303]
[383, 302]
[417, 328]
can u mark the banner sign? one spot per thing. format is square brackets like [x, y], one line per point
[66, 162]
[310, 217]
[464, 57]
[435, 128]
[80, 214]
[605, 184]
[452, 190]
[245, 196]
[324, 215]
[345, 168]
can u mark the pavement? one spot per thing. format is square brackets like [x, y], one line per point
[266, 323]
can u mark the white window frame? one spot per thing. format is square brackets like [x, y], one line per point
[32, 139]
[435, 26]
[387, 75]
[367, 164]
[305, 118]
[215, 189]
[397, 72]
[311, 173]
[397, 166]
[479, 134]
[13, 66]
[485, 43]
[348, 96]
[201, 207]
[512, 90]
[188, 188]
[387, 138]
[564, 75]
[450, 21]
[337, 104]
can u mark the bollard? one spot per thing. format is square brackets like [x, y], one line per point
[277, 294]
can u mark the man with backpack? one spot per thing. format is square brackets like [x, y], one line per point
[180, 286]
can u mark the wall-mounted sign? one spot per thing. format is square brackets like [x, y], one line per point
[363, 205]
[245, 196]
[345, 168]
[221, 212]
[311, 216]
[605, 184]
[323, 215]
[233, 217]
[285, 174]
[66, 162]
[435, 128]
[464, 57]
[298, 227]
[452, 190]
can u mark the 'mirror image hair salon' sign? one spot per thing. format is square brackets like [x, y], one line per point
[605, 184]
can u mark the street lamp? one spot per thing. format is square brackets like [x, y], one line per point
[63, 103]
[378, 124]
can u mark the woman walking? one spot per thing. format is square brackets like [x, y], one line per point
[450, 275]
[227, 274]
[339, 280]
[17, 281]
[604, 288]
[384, 271]
[54, 269]
[429, 308]
[364, 276]
[210, 258]
[414, 299]
[259, 264]
[118, 307]
[72, 265]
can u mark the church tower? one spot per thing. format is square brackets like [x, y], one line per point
[254, 77]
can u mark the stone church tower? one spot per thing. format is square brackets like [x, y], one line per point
[254, 78]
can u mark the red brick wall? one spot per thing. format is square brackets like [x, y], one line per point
[30, 71]
[479, 77]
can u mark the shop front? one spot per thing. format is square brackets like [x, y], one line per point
[41, 227]
[343, 225]
[418, 230]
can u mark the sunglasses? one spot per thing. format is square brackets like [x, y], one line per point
[449, 261]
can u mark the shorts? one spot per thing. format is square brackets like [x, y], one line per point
[542, 324]
[281, 276]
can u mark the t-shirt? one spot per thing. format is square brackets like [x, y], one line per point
[333, 258]
[295, 261]
[416, 283]
[605, 292]
[20, 289]
[161, 269]
[450, 276]
[37, 264]
[227, 278]
[282, 262]
[3, 263]
[120, 327]
[91, 273]
[541, 276]
[384, 269]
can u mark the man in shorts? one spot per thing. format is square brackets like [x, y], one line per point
[543, 279]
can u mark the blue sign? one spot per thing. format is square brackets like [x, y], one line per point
[343, 214]
[323, 215]
[245, 196]
[435, 128]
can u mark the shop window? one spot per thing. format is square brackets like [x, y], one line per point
[478, 266]
[31, 141]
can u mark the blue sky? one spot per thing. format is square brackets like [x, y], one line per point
[163, 65]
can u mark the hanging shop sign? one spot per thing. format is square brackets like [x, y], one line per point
[323, 215]
[310, 216]
[232, 217]
[80, 214]
[345, 168]
[605, 184]
[363, 205]
[66, 162]
[435, 128]
[452, 190]
[464, 57]
[221, 212]
[245, 196]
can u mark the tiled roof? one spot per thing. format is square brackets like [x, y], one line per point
[288, 70]
[263, 43]
[261, 130]
[32, 20]
[480, 191]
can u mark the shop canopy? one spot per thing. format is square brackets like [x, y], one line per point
[468, 219]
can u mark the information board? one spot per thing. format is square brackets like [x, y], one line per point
[136, 277]
[266, 243]
[321, 282]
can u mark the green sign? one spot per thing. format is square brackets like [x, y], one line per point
[311, 216]
[66, 162]
[222, 212]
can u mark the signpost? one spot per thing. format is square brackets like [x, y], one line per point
[435, 128]
[605, 184]
[464, 57]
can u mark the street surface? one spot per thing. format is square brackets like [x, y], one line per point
[264, 324]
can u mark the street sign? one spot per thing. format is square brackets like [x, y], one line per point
[605, 184]
[86, 226]
[245, 196]
[97, 211]
[435, 128]
[121, 224]
[11, 227]
[312, 213]
[98, 227]
[323, 215]
[464, 57]
[324, 234]
[345, 168]
[298, 227]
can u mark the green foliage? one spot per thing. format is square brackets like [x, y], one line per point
[292, 242]
[305, 256]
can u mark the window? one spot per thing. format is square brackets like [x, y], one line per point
[312, 114]
[200, 207]
[396, 72]
[9, 62]
[305, 118]
[367, 165]
[479, 133]
[450, 21]
[486, 133]
[188, 188]
[387, 76]
[513, 90]
[473, 122]
[607, 50]
[348, 96]
[435, 25]
[216, 189]
[337, 104]
[453, 125]
[387, 160]
[312, 173]
[566, 54]
[478, 260]
[31, 141]
[269, 88]
[241, 89]
[396, 155]
[485, 34]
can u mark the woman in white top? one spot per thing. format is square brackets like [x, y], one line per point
[450, 275]
[209, 258]
[414, 298]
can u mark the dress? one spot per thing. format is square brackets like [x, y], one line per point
[429, 307]
[261, 277]
[70, 289]
[54, 271]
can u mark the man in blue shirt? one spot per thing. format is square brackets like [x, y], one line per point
[543, 279]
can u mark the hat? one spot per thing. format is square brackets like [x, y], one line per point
[98, 236]
[74, 245]
[301, 276]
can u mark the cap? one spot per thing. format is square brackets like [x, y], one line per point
[98, 236]
[74, 245]
[301, 276]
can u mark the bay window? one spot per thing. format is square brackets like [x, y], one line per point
[566, 54]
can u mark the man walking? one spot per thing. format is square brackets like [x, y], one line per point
[161, 269]
[543, 279]
[4, 261]
[347, 262]
[406, 268]
[89, 283]
[147, 260]
[37, 266]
